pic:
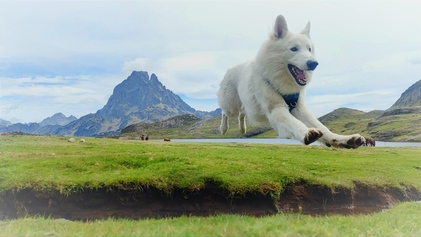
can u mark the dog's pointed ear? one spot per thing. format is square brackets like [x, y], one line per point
[306, 30]
[281, 28]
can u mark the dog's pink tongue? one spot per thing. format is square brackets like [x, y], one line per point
[300, 74]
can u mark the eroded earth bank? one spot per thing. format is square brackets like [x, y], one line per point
[210, 200]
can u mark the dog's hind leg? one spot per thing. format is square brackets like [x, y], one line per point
[242, 122]
[224, 124]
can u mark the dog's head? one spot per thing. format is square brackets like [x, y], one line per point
[295, 52]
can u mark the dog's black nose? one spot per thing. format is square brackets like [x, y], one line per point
[311, 64]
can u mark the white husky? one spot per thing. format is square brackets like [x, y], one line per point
[271, 89]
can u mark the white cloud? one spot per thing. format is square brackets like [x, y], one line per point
[31, 99]
[195, 74]
[138, 64]
[395, 61]
[43, 86]
[192, 61]
[364, 101]
[9, 108]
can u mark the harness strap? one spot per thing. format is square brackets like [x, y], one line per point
[290, 99]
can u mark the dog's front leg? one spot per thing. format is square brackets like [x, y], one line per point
[281, 119]
[329, 138]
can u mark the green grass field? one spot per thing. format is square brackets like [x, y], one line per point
[52, 163]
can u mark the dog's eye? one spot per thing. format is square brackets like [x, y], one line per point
[294, 49]
[309, 49]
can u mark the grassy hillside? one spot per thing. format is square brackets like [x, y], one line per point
[350, 121]
[190, 128]
[395, 125]
[402, 124]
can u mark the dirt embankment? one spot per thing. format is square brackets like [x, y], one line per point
[154, 203]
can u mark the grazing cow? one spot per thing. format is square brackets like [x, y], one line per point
[167, 140]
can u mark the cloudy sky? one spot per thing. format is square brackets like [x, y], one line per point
[67, 56]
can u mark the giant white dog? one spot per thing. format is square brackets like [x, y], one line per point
[270, 88]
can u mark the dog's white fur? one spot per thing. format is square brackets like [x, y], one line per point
[254, 90]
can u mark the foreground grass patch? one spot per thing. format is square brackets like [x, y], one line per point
[402, 220]
[51, 163]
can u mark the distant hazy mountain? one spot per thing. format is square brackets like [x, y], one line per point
[4, 123]
[47, 126]
[58, 119]
[139, 98]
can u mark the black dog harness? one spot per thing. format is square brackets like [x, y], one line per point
[290, 99]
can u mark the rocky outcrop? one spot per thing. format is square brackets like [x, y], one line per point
[410, 98]
[57, 119]
[138, 99]
[145, 98]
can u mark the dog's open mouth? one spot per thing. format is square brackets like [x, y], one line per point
[298, 75]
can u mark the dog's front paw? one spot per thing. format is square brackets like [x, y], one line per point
[353, 141]
[312, 136]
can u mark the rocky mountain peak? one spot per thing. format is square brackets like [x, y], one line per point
[140, 94]
[409, 102]
[154, 81]
[58, 119]
[411, 97]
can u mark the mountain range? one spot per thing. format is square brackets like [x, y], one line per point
[139, 98]
[142, 104]
[44, 127]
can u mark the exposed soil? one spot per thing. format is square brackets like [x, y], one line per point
[153, 203]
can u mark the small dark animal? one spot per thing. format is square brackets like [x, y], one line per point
[167, 140]
[370, 142]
